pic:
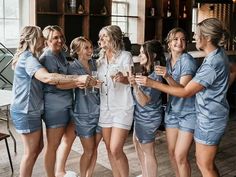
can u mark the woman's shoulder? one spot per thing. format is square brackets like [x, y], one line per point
[76, 64]
[27, 54]
[126, 53]
[47, 53]
[217, 57]
[187, 56]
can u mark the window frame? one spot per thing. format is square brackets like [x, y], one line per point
[118, 16]
[130, 20]
[12, 42]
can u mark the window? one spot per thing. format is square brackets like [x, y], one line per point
[120, 13]
[124, 14]
[9, 22]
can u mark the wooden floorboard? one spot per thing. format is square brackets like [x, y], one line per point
[226, 156]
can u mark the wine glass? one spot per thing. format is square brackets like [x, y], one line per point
[156, 63]
[131, 73]
[112, 73]
[85, 91]
[95, 76]
[138, 75]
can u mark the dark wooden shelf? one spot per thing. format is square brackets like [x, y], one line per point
[75, 14]
[99, 15]
[58, 12]
[128, 16]
[49, 13]
[159, 25]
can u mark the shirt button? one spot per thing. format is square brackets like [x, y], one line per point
[106, 93]
[105, 84]
[105, 75]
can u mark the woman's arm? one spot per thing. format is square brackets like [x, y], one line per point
[71, 85]
[184, 80]
[119, 77]
[55, 79]
[189, 90]
[140, 96]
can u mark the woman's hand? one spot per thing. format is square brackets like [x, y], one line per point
[83, 81]
[161, 70]
[144, 81]
[99, 84]
[119, 77]
[131, 80]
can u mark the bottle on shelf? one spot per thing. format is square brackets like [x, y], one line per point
[103, 11]
[184, 12]
[80, 9]
[168, 12]
[152, 11]
[72, 5]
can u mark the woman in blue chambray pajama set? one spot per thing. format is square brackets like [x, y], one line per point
[148, 112]
[210, 84]
[180, 116]
[27, 99]
[57, 102]
[86, 105]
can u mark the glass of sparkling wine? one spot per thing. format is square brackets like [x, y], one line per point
[95, 76]
[113, 73]
[138, 75]
[156, 63]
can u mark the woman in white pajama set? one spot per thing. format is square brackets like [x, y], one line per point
[117, 106]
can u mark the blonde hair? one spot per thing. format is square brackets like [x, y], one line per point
[171, 36]
[213, 28]
[77, 45]
[48, 30]
[116, 40]
[28, 41]
[116, 37]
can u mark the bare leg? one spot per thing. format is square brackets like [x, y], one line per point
[64, 149]
[205, 155]
[140, 154]
[106, 134]
[85, 160]
[171, 135]
[150, 161]
[54, 136]
[117, 141]
[184, 142]
[33, 145]
[94, 158]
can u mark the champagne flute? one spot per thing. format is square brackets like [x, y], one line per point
[113, 71]
[131, 73]
[138, 75]
[95, 76]
[85, 91]
[156, 63]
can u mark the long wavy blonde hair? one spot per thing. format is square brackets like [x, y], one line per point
[116, 40]
[29, 41]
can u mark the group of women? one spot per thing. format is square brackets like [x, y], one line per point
[102, 99]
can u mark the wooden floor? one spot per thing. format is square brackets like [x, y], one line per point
[226, 157]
